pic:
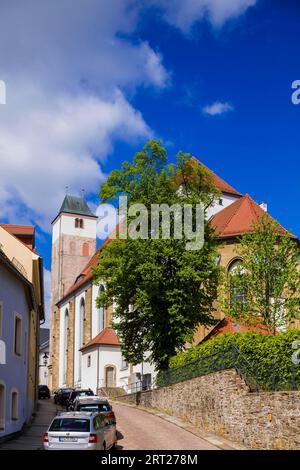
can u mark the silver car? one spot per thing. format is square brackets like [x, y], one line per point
[80, 431]
[95, 404]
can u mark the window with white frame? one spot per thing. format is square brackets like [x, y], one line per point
[2, 406]
[14, 405]
[18, 335]
[124, 363]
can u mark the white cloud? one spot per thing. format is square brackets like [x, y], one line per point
[217, 108]
[69, 68]
[185, 13]
[48, 145]
[47, 294]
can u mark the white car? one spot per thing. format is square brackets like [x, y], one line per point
[80, 431]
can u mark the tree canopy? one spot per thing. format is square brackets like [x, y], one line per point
[264, 287]
[161, 291]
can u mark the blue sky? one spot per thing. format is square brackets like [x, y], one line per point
[88, 82]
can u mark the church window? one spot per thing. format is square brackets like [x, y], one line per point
[81, 223]
[65, 345]
[82, 319]
[89, 360]
[237, 284]
[76, 223]
[81, 332]
[101, 312]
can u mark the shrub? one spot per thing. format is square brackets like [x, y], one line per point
[267, 358]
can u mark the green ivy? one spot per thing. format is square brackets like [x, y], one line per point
[265, 358]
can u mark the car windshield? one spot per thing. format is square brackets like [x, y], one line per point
[101, 407]
[70, 424]
[66, 390]
[84, 393]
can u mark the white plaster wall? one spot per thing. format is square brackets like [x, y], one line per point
[66, 224]
[89, 374]
[43, 372]
[146, 368]
[227, 200]
[109, 355]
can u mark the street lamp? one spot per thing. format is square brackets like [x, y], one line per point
[45, 357]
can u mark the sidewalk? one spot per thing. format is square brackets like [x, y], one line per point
[31, 438]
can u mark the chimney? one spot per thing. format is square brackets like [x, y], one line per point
[264, 206]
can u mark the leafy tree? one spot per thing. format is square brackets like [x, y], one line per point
[161, 290]
[265, 286]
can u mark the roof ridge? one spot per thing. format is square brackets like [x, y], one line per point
[227, 188]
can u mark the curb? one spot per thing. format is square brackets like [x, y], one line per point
[217, 441]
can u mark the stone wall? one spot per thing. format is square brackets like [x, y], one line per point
[221, 403]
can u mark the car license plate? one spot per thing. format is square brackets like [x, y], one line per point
[68, 439]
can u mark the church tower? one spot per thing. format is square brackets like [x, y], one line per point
[73, 245]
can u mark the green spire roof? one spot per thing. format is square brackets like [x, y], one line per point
[75, 205]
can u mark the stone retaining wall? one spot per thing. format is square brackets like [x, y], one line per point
[222, 404]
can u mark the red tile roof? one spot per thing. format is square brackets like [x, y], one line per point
[108, 336]
[240, 217]
[230, 326]
[25, 233]
[219, 183]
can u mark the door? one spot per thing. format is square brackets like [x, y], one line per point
[110, 377]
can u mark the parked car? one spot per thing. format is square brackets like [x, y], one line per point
[95, 404]
[80, 431]
[62, 395]
[43, 392]
[80, 392]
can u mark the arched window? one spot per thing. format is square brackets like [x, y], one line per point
[236, 273]
[85, 249]
[82, 318]
[81, 223]
[81, 330]
[101, 312]
[65, 345]
[14, 405]
[76, 222]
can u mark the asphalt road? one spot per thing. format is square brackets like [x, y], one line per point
[138, 429]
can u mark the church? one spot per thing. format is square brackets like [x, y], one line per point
[85, 352]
